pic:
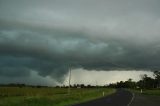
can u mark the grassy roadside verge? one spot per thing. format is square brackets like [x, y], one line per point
[155, 92]
[49, 97]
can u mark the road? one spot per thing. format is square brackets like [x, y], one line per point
[120, 98]
[146, 100]
[124, 98]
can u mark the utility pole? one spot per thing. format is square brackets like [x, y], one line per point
[69, 80]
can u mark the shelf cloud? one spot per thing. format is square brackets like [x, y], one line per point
[49, 36]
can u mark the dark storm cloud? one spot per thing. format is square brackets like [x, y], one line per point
[48, 36]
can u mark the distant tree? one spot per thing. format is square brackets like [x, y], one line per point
[121, 84]
[140, 84]
[130, 83]
[89, 86]
[157, 78]
[57, 86]
[82, 86]
[146, 82]
[112, 85]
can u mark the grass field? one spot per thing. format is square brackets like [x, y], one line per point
[27, 96]
[148, 92]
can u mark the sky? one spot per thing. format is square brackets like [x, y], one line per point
[41, 39]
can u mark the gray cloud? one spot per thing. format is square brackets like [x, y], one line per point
[48, 36]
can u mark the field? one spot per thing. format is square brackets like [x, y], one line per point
[148, 91]
[28, 96]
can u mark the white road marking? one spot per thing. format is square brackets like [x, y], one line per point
[133, 96]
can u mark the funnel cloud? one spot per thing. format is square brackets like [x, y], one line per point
[47, 37]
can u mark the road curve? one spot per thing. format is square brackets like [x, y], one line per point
[120, 98]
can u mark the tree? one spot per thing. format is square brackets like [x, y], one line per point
[130, 84]
[157, 78]
[146, 82]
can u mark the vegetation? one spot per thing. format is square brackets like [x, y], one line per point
[145, 82]
[26, 95]
[147, 85]
[155, 92]
[45, 96]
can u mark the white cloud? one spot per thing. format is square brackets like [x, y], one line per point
[81, 76]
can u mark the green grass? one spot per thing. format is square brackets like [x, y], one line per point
[148, 91]
[48, 96]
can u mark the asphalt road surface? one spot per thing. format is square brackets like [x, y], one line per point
[124, 98]
[145, 100]
[120, 98]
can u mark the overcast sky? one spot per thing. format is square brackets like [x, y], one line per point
[40, 39]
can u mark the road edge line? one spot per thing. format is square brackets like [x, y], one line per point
[133, 96]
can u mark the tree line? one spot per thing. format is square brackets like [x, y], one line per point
[146, 82]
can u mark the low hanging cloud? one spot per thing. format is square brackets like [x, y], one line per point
[50, 36]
